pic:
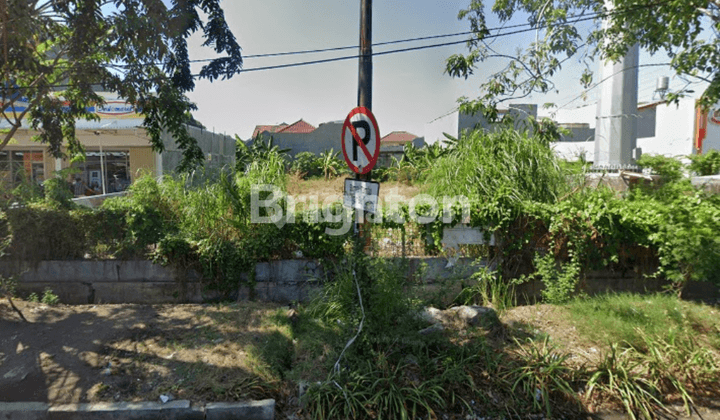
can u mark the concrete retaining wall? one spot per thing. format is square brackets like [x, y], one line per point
[112, 281]
[181, 409]
[91, 282]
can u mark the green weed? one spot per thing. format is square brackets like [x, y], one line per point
[49, 298]
[619, 318]
[542, 376]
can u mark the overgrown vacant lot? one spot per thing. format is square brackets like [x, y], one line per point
[226, 352]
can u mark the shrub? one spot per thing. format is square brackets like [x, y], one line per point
[705, 164]
[307, 164]
[41, 233]
[670, 169]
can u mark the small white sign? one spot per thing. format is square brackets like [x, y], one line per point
[361, 195]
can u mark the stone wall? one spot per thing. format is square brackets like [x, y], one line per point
[437, 279]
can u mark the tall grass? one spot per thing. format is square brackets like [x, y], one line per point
[507, 163]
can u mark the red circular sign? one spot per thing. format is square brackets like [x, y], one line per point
[360, 140]
[715, 116]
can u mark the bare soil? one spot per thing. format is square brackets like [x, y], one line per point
[202, 353]
[87, 353]
[68, 354]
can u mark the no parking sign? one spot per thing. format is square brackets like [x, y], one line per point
[361, 140]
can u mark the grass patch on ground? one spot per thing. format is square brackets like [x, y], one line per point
[627, 318]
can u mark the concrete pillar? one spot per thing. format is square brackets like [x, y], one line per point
[616, 127]
[158, 165]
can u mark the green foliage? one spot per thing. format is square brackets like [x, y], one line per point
[559, 283]
[705, 164]
[678, 27]
[33, 297]
[622, 317]
[670, 169]
[147, 216]
[44, 233]
[378, 389]
[416, 163]
[619, 376]
[505, 167]
[380, 283]
[490, 289]
[58, 193]
[306, 164]
[49, 298]
[56, 44]
[263, 151]
[330, 164]
[543, 377]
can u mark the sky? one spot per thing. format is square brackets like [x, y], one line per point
[410, 89]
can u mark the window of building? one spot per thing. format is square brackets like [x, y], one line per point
[17, 166]
[111, 168]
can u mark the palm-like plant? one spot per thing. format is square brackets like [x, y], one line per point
[262, 150]
[329, 162]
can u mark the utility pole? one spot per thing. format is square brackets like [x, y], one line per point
[366, 67]
[365, 92]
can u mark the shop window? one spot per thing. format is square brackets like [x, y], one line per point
[110, 168]
[19, 166]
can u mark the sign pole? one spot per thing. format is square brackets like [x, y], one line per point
[366, 67]
[365, 93]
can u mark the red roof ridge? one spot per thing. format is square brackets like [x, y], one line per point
[399, 137]
[299, 126]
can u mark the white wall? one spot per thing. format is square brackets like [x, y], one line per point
[674, 130]
[571, 151]
[586, 114]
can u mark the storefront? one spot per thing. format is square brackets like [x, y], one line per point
[105, 171]
[17, 166]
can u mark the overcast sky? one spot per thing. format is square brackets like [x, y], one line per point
[409, 88]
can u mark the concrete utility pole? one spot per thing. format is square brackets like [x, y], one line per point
[616, 127]
[365, 95]
[366, 67]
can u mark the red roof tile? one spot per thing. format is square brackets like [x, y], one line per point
[299, 126]
[400, 137]
[269, 128]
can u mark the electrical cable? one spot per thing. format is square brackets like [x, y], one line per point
[578, 18]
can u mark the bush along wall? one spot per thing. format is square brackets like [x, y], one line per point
[548, 225]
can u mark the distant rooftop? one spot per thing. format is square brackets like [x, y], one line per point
[299, 126]
[399, 137]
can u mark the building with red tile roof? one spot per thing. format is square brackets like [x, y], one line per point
[397, 138]
[298, 127]
[269, 128]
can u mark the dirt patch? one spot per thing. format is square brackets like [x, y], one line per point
[314, 191]
[69, 354]
[555, 322]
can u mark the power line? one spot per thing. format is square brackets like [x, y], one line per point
[422, 47]
[529, 27]
[608, 77]
[574, 19]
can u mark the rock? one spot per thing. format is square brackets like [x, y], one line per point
[293, 316]
[432, 329]
[474, 315]
[431, 315]
[461, 316]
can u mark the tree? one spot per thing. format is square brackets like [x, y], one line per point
[56, 54]
[687, 30]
